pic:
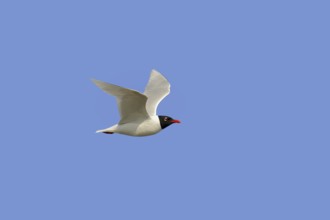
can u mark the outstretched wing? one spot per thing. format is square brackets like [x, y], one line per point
[131, 103]
[156, 90]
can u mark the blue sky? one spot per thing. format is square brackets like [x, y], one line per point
[250, 82]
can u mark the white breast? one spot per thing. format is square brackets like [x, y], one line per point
[148, 127]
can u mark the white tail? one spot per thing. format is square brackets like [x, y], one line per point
[108, 130]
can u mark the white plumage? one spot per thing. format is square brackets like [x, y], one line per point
[138, 112]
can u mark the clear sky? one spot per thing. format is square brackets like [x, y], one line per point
[250, 82]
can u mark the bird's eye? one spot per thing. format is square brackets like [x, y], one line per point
[165, 119]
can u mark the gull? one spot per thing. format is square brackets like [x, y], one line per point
[138, 112]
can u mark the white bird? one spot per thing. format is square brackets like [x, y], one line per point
[138, 111]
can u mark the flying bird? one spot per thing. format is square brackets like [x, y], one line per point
[138, 112]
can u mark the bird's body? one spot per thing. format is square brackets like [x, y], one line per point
[136, 128]
[137, 110]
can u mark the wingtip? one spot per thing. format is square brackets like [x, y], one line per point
[157, 74]
[154, 71]
[97, 82]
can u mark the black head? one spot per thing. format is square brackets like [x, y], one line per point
[166, 121]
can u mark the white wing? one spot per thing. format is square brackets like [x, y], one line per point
[131, 103]
[156, 90]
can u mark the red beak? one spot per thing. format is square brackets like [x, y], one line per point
[175, 121]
